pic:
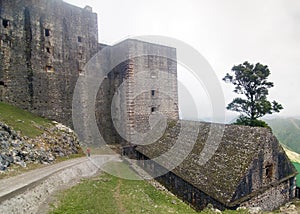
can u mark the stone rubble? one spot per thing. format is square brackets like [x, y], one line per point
[289, 208]
[56, 141]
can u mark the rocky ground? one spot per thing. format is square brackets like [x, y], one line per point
[56, 141]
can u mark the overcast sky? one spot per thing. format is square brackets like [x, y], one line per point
[226, 33]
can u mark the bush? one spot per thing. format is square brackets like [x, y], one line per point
[242, 120]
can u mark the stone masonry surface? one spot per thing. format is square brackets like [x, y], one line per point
[58, 40]
[44, 45]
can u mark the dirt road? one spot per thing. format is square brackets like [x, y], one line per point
[27, 192]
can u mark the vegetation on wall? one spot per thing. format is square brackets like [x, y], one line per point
[23, 121]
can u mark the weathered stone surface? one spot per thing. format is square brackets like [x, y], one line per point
[148, 66]
[249, 168]
[44, 46]
[59, 39]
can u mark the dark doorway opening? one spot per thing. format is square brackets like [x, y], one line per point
[269, 171]
[153, 109]
[5, 23]
[2, 83]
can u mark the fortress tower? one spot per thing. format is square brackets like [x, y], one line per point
[44, 47]
[145, 83]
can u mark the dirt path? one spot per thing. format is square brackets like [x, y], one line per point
[10, 185]
[26, 193]
[118, 199]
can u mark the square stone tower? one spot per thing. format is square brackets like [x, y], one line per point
[145, 83]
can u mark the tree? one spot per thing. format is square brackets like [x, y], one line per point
[251, 81]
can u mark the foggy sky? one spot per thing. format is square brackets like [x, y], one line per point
[226, 33]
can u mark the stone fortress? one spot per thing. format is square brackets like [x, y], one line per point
[44, 47]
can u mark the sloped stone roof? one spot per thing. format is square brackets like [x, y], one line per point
[220, 176]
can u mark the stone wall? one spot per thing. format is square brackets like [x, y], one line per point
[44, 45]
[273, 197]
[104, 99]
[266, 179]
[181, 188]
[160, 68]
[297, 195]
[268, 199]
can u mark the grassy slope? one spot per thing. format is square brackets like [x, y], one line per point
[109, 194]
[287, 130]
[288, 133]
[297, 165]
[21, 120]
[293, 156]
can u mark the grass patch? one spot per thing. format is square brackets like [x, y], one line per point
[99, 150]
[23, 121]
[297, 166]
[72, 156]
[109, 194]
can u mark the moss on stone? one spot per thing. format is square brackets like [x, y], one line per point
[221, 175]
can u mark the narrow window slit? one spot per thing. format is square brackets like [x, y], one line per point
[47, 32]
[152, 93]
[153, 109]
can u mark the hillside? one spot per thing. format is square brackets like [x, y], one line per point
[287, 130]
[293, 156]
[297, 166]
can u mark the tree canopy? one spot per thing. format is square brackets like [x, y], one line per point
[251, 81]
